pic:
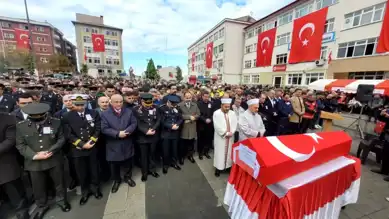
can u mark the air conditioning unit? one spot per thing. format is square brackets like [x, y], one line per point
[320, 62]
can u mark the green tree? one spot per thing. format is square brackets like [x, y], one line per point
[29, 60]
[3, 64]
[151, 72]
[179, 77]
[84, 69]
[60, 63]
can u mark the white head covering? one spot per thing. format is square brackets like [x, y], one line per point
[226, 100]
[252, 102]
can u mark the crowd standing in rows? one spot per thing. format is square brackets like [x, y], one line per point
[97, 129]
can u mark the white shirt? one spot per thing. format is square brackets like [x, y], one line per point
[24, 114]
[1, 98]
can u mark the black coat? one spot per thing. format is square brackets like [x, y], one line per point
[9, 167]
[170, 116]
[7, 104]
[18, 114]
[270, 109]
[147, 119]
[79, 131]
[206, 112]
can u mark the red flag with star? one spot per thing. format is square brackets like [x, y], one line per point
[209, 55]
[265, 47]
[193, 61]
[98, 42]
[307, 37]
[22, 39]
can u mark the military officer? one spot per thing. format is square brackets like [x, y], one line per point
[82, 129]
[39, 140]
[7, 103]
[147, 135]
[170, 122]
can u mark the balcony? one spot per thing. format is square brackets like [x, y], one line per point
[57, 45]
[57, 37]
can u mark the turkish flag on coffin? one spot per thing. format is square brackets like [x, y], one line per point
[307, 37]
[272, 159]
[209, 55]
[265, 47]
[22, 39]
[383, 42]
[98, 42]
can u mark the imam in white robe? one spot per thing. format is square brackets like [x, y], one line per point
[223, 123]
[249, 125]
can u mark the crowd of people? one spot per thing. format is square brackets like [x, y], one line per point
[97, 128]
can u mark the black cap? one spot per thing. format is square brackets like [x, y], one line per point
[146, 96]
[173, 98]
[36, 108]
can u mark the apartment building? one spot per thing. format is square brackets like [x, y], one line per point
[47, 39]
[228, 38]
[350, 39]
[108, 63]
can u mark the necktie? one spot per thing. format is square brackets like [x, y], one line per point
[82, 116]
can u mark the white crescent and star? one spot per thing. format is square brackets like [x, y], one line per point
[306, 26]
[98, 39]
[23, 35]
[209, 50]
[296, 156]
[268, 43]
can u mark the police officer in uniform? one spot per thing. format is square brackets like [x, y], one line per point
[82, 129]
[7, 103]
[147, 135]
[39, 140]
[170, 122]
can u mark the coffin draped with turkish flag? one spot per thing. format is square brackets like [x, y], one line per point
[272, 159]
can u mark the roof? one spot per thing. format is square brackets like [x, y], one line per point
[97, 25]
[20, 20]
[240, 20]
[294, 3]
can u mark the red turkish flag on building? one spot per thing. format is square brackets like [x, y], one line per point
[209, 55]
[98, 42]
[265, 47]
[383, 41]
[85, 57]
[22, 39]
[193, 61]
[307, 37]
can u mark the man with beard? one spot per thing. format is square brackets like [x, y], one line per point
[250, 122]
[39, 140]
[147, 135]
[22, 100]
[173, 92]
[205, 126]
[131, 99]
[225, 123]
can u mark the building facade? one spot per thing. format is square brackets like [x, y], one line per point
[47, 39]
[350, 40]
[108, 63]
[228, 38]
[167, 73]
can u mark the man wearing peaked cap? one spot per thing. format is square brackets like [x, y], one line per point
[82, 129]
[39, 140]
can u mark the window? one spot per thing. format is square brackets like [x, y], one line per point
[370, 75]
[216, 36]
[295, 79]
[221, 48]
[202, 56]
[250, 33]
[43, 59]
[282, 59]
[87, 39]
[255, 63]
[116, 62]
[108, 61]
[221, 33]
[312, 77]
[90, 60]
[214, 64]
[247, 64]
[249, 48]
[6, 25]
[285, 18]
[324, 52]
[23, 26]
[270, 25]
[39, 39]
[42, 49]
[86, 29]
[206, 41]
[97, 60]
[255, 79]
[210, 38]
[329, 26]
[215, 51]
[107, 42]
[324, 3]
[115, 43]
[303, 10]
[357, 48]
[88, 49]
[9, 35]
[40, 29]
[220, 63]
[94, 30]
[364, 17]
[283, 39]
[255, 47]
[246, 79]
[257, 30]
[114, 33]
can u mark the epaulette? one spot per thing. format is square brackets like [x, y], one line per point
[162, 105]
[23, 121]
[55, 118]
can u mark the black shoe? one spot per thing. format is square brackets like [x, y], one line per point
[98, 194]
[41, 211]
[22, 214]
[200, 157]
[84, 199]
[65, 207]
[191, 159]
[379, 171]
[154, 174]
[175, 166]
[115, 186]
[164, 170]
[181, 161]
[72, 185]
[144, 178]
[130, 182]
[207, 156]
[217, 173]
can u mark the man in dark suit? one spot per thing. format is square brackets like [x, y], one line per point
[67, 102]
[7, 103]
[10, 177]
[82, 129]
[204, 126]
[23, 100]
[39, 140]
[271, 113]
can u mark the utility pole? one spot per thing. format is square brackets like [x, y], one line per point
[32, 52]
